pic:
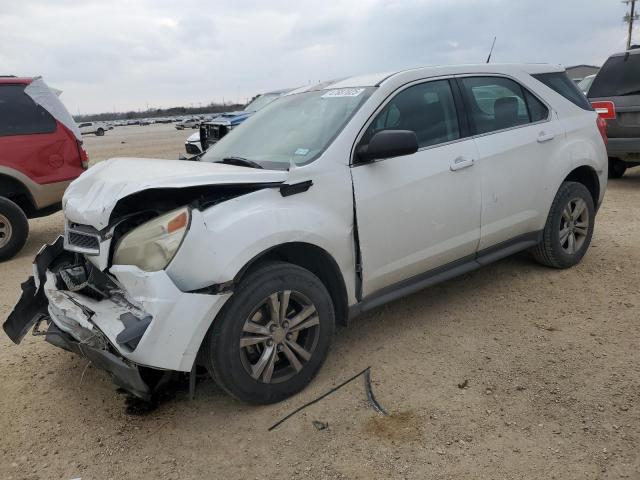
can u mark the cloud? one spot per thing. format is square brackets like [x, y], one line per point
[123, 54]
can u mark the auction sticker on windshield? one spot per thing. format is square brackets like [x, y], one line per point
[343, 92]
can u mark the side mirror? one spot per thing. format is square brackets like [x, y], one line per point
[388, 144]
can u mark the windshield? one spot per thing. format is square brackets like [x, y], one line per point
[295, 129]
[261, 101]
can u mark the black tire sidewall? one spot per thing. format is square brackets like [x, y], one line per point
[223, 352]
[567, 192]
[19, 228]
[617, 168]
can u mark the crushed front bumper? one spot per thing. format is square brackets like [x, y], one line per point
[120, 322]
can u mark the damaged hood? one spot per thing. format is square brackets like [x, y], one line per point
[91, 198]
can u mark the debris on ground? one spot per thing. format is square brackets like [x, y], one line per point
[320, 425]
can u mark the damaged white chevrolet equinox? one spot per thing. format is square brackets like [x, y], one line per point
[331, 201]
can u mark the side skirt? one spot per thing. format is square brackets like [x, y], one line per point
[445, 272]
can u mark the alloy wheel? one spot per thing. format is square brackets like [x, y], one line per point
[279, 336]
[574, 225]
[5, 231]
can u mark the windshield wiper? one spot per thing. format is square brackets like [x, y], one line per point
[241, 162]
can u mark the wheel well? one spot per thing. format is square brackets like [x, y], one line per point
[317, 261]
[589, 178]
[16, 192]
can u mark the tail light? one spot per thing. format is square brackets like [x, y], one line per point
[605, 110]
[602, 126]
[84, 158]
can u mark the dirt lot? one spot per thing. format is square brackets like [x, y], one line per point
[550, 361]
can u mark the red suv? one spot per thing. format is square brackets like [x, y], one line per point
[40, 154]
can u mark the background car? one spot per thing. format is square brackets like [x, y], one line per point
[92, 127]
[40, 153]
[585, 83]
[211, 132]
[192, 145]
[188, 123]
[615, 94]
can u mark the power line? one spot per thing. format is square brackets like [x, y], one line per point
[629, 18]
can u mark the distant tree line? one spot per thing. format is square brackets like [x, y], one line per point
[158, 112]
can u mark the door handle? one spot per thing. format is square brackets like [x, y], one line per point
[545, 137]
[461, 162]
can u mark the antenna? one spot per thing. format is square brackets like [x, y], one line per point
[491, 51]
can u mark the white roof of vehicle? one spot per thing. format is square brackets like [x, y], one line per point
[375, 79]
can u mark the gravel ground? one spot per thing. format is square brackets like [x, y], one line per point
[514, 371]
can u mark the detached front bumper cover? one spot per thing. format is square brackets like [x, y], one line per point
[33, 308]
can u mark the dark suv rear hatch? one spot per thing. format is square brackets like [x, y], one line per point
[618, 81]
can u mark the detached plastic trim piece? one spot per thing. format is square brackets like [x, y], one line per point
[287, 190]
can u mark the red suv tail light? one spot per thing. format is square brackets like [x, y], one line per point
[602, 126]
[84, 158]
[605, 110]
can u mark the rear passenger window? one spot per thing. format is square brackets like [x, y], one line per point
[20, 115]
[537, 110]
[427, 109]
[496, 103]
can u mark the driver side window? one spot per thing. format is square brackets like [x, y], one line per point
[427, 109]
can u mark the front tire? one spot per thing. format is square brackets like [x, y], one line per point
[569, 227]
[272, 336]
[617, 168]
[14, 229]
[100, 132]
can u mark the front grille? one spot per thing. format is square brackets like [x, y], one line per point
[192, 149]
[83, 241]
[82, 238]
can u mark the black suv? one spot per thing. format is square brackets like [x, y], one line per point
[617, 87]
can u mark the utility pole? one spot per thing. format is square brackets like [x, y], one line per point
[629, 18]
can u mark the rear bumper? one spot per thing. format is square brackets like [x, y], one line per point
[627, 149]
[120, 322]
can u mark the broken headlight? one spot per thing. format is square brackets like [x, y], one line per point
[152, 245]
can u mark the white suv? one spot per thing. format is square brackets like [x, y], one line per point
[92, 127]
[332, 200]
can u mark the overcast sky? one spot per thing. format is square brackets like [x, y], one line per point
[121, 55]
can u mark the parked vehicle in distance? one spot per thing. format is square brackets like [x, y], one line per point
[188, 123]
[615, 93]
[330, 201]
[217, 128]
[192, 145]
[96, 128]
[40, 153]
[585, 83]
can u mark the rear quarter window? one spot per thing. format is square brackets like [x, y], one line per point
[20, 115]
[562, 84]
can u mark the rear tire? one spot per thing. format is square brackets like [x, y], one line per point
[14, 229]
[617, 168]
[262, 354]
[99, 132]
[569, 227]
